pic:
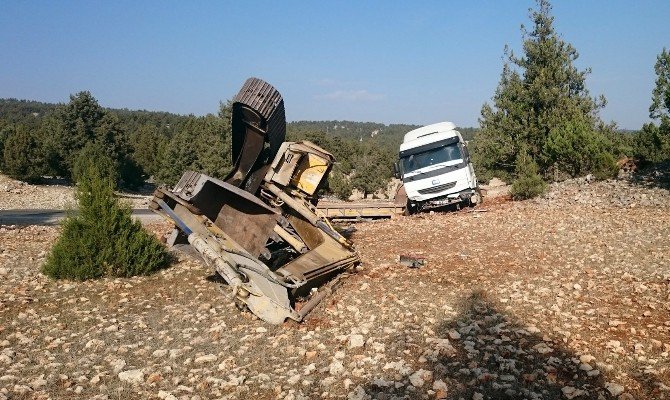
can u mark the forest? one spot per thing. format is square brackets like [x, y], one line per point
[45, 140]
[542, 125]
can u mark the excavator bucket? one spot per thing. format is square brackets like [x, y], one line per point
[258, 227]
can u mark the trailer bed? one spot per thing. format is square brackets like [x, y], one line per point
[359, 210]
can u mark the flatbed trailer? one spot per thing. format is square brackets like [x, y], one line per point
[337, 211]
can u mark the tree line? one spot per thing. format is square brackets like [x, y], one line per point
[47, 140]
[132, 146]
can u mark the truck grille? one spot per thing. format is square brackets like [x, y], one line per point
[438, 188]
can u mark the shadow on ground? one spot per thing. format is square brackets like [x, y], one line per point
[495, 357]
[653, 175]
[146, 189]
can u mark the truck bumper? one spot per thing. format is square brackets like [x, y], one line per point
[453, 198]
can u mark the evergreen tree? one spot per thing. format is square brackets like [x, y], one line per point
[103, 239]
[653, 142]
[148, 145]
[576, 150]
[106, 166]
[372, 172]
[179, 156]
[539, 93]
[201, 144]
[529, 183]
[212, 145]
[111, 137]
[5, 131]
[21, 154]
[660, 97]
[80, 122]
[74, 125]
[339, 184]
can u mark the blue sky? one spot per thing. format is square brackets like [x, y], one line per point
[391, 62]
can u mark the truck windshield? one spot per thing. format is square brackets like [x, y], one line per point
[430, 157]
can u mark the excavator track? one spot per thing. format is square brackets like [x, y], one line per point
[266, 100]
[258, 118]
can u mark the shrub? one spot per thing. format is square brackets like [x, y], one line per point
[21, 155]
[528, 183]
[652, 143]
[527, 187]
[575, 148]
[105, 165]
[103, 239]
[604, 166]
[339, 185]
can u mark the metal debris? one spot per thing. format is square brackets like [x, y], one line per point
[412, 260]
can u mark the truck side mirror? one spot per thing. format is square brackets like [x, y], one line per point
[466, 153]
[396, 170]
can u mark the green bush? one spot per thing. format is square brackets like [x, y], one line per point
[102, 239]
[652, 143]
[528, 183]
[106, 166]
[576, 149]
[339, 185]
[604, 166]
[21, 155]
[527, 187]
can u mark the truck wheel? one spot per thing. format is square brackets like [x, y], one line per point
[410, 209]
[476, 198]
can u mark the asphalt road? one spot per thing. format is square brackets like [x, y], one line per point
[53, 217]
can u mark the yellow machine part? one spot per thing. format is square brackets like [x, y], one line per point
[309, 173]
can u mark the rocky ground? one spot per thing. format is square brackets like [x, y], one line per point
[20, 195]
[566, 296]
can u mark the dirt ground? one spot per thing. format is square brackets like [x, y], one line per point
[20, 195]
[566, 296]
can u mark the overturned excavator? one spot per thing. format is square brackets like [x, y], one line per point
[259, 227]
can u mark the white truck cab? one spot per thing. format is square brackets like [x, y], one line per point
[435, 168]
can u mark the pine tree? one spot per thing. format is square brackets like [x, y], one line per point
[81, 122]
[148, 144]
[103, 239]
[529, 183]
[201, 144]
[660, 97]
[372, 172]
[539, 93]
[339, 184]
[106, 166]
[653, 142]
[5, 131]
[180, 155]
[74, 125]
[212, 142]
[21, 156]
